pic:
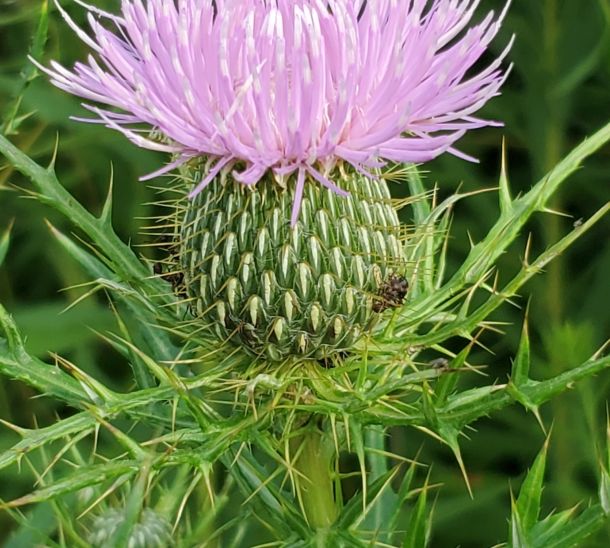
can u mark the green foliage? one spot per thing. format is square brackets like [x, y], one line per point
[148, 425]
[559, 529]
[201, 433]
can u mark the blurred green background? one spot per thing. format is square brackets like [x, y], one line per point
[558, 92]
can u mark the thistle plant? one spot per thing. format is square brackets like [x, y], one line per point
[288, 100]
[285, 314]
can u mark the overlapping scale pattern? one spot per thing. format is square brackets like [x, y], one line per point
[306, 289]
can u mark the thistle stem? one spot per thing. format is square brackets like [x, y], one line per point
[314, 465]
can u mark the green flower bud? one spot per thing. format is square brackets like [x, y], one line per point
[307, 290]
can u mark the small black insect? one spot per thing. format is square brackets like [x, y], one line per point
[391, 293]
[334, 359]
[439, 363]
[176, 279]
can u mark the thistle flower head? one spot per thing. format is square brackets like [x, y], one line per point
[287, 85]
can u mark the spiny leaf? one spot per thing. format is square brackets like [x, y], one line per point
[106, 215]
[380, 530]
[530, 495]
[142, 374]
[95, 390]
[355, 509]
[132, 446]
[428, 407]
[48, 379]
[127, 264]
[358, 446]
[271, 503]
[521, 365]
[403, 494]
[466, 407]
[463, 326]
[419, 522]
[78, 479]
[520, 374]
[148, 334]
[517, 535]
[447, 383]
[553, 524]
[91, 264]
[34, 439]
[573, 533]
[450, 436]
[523, 398]
[506, 201]
[149, 364]
[129, 404]
[484, 254]
[9, 331]
[478, 402]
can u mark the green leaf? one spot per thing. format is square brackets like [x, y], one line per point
[604, 485]
[560, 530]
[552, 525]
[385, 505]
[573, 533]
[517, 535]
[485, 253]
[124, 262]
[10, 333]
[447, 383]
[48, 379]
[106, 215]
[268, 502]
[418, 527]
[357, 441]
[35, 439]
[141, 371]
[357, 508]
[421, 207]
[530, 495]
[147, 334]
[404, 493]
[463, 326]
[506, 201]
[79, 479]
[468, 406]
[90, 264]
[521, 365]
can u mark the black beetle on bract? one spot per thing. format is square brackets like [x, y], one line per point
[391, 293]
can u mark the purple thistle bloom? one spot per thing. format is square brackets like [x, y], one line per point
[288, 85]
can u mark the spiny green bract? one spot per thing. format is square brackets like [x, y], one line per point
[307, 290]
